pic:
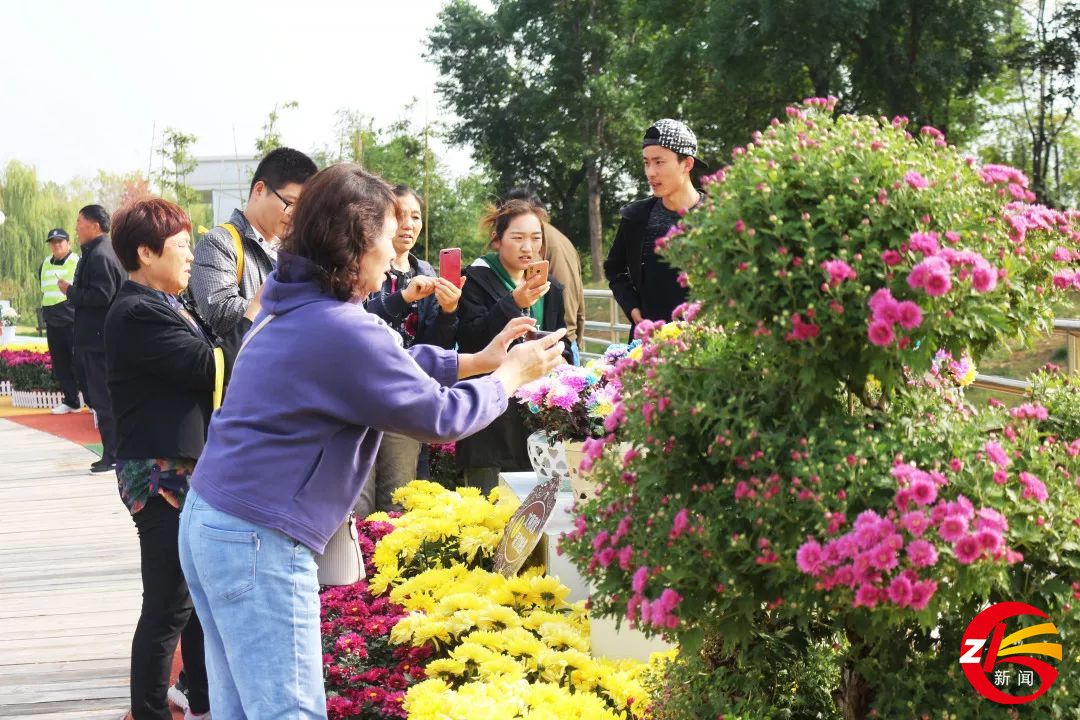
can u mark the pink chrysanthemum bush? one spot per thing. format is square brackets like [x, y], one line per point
[808, 505]
[856, 238]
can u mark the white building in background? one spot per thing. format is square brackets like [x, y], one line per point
[223, 182]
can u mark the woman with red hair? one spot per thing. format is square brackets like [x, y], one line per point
[162, 376]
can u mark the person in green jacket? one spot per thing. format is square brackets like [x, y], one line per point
[59, 317]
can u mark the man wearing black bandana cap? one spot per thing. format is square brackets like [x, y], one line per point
[643, 283]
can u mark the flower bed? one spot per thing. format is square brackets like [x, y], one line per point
[434, 633]
[27, 370]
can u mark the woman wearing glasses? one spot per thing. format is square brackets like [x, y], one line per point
[162, 376]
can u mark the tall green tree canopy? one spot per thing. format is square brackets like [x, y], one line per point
[539, 90]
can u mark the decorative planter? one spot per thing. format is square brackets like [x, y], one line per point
[8, 335]
[551, 458]
[36, 398]
[5, 387]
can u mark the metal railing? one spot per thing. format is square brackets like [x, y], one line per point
[612, 328]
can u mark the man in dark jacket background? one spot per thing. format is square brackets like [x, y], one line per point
[644, 284]
[98, 278]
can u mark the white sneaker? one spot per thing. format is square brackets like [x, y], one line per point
[177, 697]
[63, 409]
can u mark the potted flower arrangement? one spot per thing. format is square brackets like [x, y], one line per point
[567, 407]
[9, 315]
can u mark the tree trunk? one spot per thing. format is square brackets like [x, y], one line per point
[853, 695]
[596, 249]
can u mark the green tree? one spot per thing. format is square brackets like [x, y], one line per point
[727, 67]
[177, 163]
[271, 135]
[31, 208]
[1044, 65]
[113, 190]
[542, 98]
[401, 154]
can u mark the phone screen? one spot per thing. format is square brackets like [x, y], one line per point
[536, 335]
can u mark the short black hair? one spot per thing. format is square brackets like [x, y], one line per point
[522, 192]
[98, 214]
[282, 166]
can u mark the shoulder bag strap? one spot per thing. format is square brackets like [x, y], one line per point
[238, 245]
[219, 361]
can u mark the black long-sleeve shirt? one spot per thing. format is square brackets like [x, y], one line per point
[98, 278]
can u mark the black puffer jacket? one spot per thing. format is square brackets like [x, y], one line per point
[486, 306]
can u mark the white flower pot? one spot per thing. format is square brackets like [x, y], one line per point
[9, 334]
[552, 459]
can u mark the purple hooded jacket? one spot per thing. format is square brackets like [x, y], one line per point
[309, 399]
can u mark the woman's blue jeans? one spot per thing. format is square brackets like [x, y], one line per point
[256, 591]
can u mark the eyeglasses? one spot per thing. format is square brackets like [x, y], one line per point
[288, 204]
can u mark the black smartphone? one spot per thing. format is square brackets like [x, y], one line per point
[536, 335]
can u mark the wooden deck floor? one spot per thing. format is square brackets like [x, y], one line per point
[69, 582]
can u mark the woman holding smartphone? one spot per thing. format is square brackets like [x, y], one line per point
[508, 282]
[422, 308]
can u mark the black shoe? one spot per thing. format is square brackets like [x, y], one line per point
[101, 467]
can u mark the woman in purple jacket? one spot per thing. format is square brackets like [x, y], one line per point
[317, 383]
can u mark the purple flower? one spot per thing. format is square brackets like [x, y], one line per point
[1033, 487]
[990, 519]
[915, 522]
[839, 271]
[953, 528]
[997, 454]
[925, 243]
[967, 550]
[922, 553]
[921, 592]
[880, 333]
[641, 576]
[915, 180]
[909, 315]
[809, 557]
[867, 596]
[923, 491]
[988, 541]
[983, 277]
[900, 591]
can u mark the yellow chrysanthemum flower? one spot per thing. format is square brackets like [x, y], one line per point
[447, 667]
[551, 592]
[472, 653]
[501, 666]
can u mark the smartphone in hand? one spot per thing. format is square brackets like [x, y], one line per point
[540, 267]
[450, 265]
[536, 335]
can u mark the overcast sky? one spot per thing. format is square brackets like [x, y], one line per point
[84, 84]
